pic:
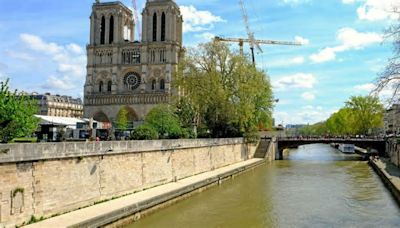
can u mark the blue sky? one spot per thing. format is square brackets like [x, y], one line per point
[43, 43]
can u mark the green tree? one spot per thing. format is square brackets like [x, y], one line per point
[360, 114]
[367, 112]
[341, 122]
[16, 114]
[164, 120]
[185, 112]
[122, 119]
[227, 93]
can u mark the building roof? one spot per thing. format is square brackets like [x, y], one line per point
[56, 98]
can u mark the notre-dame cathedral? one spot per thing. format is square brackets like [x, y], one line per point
[124, 73]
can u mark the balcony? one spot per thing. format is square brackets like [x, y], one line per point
[109, 99]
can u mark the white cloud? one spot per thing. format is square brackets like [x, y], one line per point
[76, 49]
[205, 36]
[299, 80]
[365, 87]
[294, 2]
[357, 40]
[350, 40]
[324, 55]
[308, 96]
[302, 40]
[20, 55]
[37, 44]
[297, 60]
[70, 61]
[197, 20]
[3, 76]
[55, 83]
[306, 115]
[3, 66]
[375, 10]
[348, 1]
[385, 95]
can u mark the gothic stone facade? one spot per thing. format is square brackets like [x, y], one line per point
[122, 72]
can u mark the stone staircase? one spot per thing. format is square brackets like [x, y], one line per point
[262, 148]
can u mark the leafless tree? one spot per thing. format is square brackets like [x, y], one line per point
[389, 78]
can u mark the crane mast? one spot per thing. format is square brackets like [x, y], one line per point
[250, 34]
[250, 37]
[136, 17]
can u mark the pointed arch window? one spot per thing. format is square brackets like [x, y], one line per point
[111, 35]
[103, 30]
[101, 86]
[163, 27]
[153, 85]
[109, 86]
[154, 27]
[162, 84]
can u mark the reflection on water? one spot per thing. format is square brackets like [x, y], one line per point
[317, 186]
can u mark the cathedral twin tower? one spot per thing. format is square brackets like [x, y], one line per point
[124, 73]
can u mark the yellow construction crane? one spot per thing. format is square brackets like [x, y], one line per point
[241, 41]
[251, 40]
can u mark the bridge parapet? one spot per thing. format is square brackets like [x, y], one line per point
[378, 144]
[324, 139]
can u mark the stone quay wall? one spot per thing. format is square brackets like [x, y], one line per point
[393, 150]
[52, 178]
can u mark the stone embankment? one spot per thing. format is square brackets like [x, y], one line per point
[44, 180]
[390, 175]
[393, 150]
[125, 210]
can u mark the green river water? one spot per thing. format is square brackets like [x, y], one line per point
[316, 186]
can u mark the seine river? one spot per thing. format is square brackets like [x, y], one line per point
[316, 186]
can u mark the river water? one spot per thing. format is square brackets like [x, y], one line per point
[316, 186]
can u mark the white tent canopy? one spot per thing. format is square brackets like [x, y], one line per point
[61, 121]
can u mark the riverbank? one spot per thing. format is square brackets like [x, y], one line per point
[130, 208]
[47, 179]
[390, 175]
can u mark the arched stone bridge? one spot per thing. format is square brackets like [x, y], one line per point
[288, 142]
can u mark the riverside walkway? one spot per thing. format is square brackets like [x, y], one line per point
[132, 205]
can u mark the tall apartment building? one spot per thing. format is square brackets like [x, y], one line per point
[56, 105]
[392, 119]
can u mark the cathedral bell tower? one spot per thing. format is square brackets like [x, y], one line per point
[111, 22]
[162, 39]
[162, 22]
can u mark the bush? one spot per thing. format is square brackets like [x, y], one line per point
[163, 119]
[144, 132]
[251, 137]
[203, 132]
[173, 132]
[188, 133]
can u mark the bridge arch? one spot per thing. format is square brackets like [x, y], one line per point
[286, 143]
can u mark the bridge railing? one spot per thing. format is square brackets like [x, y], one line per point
[307, 138]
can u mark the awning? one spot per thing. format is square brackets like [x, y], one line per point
[61, 121]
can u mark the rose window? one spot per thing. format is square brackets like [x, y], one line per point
[132, 80]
